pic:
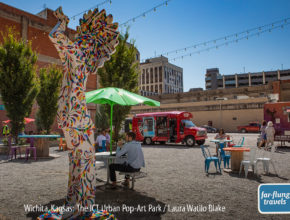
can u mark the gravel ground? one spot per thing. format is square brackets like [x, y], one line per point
[175, 181]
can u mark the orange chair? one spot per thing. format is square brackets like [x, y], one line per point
[62, 145]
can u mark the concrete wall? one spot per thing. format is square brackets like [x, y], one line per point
[224, 118]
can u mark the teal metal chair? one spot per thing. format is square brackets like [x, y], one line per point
[209, 159]
[103, 147]
[223, 156]
[240, 143]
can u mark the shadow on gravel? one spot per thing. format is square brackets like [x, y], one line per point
[251, 176]
[276, 175]
[213, 175]
[24, 161]
[123, 203]
[283, 149]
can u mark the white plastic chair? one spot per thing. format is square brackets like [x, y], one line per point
[252, 162]
[267, 160]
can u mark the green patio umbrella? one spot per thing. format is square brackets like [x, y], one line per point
[113, 96]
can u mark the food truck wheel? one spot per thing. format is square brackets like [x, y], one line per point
[148, 141]
[190, 141]
[200, 142]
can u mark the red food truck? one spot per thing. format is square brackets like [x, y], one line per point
[279, 114]
[162, 127]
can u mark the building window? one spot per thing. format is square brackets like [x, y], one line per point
[147, 76]
[152, 89]
[147, 88]
[160, 88]
[156, 88]
[151, 75]
[143, 77]
[160, 74]
[156, 75]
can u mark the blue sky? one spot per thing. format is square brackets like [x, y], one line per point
[187, 22]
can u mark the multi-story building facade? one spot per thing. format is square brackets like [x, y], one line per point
[158, 76]
[214, 80]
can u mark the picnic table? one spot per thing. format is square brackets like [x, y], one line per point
[236, 156]
[220, 141]
[110, 158]
[217, 141]
[41, 144]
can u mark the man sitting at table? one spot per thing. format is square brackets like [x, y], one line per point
[134, 160]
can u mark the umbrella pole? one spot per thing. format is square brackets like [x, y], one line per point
[111, 137]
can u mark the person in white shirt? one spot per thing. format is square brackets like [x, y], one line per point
[134, 160]
[100, 138]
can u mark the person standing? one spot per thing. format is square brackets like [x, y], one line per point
[270, 132]
[5, 130]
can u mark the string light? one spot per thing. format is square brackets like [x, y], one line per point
[228, 42]
[96, 6]
[229, 37]
[154, 9]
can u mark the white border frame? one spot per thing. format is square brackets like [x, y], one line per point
[259, 198]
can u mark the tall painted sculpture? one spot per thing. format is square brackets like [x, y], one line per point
[95, 41]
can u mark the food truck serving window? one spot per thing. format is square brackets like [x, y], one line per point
[188, 123]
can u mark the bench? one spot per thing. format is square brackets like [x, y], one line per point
[134, 175]
[283, 139]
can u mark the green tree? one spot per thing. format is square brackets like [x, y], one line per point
[121, 71]
[50, 81]
[18, 85]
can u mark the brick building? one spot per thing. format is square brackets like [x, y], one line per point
[36, 28]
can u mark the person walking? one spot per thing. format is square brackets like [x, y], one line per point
[263, 135]
[270, 132]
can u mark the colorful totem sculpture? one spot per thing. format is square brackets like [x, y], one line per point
[95, 41]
